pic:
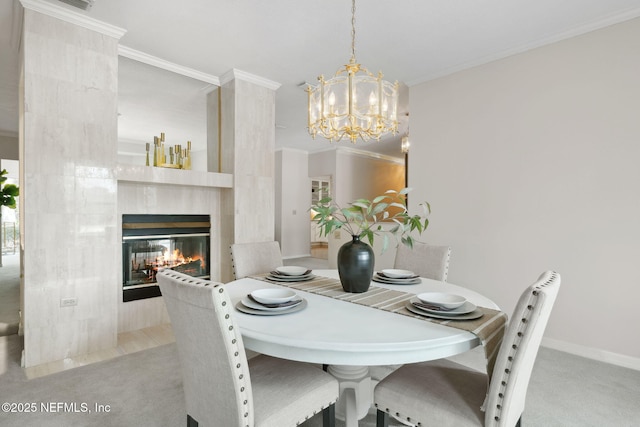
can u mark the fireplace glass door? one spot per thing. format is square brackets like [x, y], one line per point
[143, 255]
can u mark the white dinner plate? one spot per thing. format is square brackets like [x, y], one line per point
[247, 302]
[292, 270]
[278, 278]
[270, 312]
[273, 295]
[465, 308]
[394, 273]
[445, 300]
[410, 281]
[476, 314]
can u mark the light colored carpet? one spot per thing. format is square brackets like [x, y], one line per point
[145, 389]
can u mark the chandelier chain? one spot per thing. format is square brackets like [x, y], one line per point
[353, 31]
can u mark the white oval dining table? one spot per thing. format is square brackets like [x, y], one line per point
[351, 337]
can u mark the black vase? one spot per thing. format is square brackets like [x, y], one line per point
[355, 265]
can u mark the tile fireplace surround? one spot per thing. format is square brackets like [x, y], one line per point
[150, 190]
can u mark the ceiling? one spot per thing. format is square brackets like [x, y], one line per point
[292, 41]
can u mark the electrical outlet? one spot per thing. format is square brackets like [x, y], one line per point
[336, 234]
[68, 302]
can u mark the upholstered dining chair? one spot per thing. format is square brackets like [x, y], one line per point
[255, 258]
[444, 393]
[221, 387]
[425, 260]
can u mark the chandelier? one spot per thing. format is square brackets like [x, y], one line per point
[354, 103]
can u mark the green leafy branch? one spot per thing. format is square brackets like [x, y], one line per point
[363, 217]
[8, 192]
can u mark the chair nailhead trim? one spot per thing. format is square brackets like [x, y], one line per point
[520, 335]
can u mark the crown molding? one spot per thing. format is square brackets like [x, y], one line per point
[577, 31]
[235, 74]
[136, 55]
[361, 153]
[73, 17]
[370, 154]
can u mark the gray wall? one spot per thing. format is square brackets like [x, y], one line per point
[9, 147]
[531, 163]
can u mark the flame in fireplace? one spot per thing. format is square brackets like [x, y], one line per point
[176, 258]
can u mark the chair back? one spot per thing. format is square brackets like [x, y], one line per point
[255, 258]
[428, 261]
[215, 373]
[517, 354]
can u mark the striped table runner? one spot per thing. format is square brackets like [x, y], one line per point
[489, 328]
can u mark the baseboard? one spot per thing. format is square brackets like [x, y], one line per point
[593, 353]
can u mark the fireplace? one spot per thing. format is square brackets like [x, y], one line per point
[151, 243]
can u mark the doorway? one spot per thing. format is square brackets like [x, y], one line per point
[10, 258]
[320, 188]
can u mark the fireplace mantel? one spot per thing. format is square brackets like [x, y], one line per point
[158, 175]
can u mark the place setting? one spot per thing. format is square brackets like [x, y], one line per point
[442, 305]
[271, 302]
[290, 273]
[393, 276]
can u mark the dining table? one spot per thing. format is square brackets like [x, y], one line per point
[347, 335]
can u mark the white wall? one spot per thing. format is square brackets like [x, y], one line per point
[293, 199]
[531, 163]
[68, 200]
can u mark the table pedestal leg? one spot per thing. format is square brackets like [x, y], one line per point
[355, 392]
